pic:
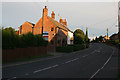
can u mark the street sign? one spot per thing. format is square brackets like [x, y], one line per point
[46, 35]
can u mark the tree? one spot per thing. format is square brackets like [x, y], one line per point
[8, 38]
[96, 39]
[79, 36]
[86, 36]
[11, 40]
[100, 38]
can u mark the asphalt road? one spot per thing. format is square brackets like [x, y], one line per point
[97, 61]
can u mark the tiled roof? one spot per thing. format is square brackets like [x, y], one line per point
[58, 24]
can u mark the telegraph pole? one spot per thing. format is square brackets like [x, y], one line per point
[107, 33]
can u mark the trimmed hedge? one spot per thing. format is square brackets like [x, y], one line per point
[10, 40]
[113, 43]
[71, 48]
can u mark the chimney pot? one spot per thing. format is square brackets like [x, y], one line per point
[53, 15]
[45, 7]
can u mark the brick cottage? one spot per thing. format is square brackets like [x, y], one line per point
[53, 31]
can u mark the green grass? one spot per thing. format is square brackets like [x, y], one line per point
[27, 59]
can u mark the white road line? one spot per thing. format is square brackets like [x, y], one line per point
[94, 74]
[29, 62]
[75, 59]
[107, 60]
[45, 68]
[12, 78]
[55, 65]
[102, 66]
[42, 69]
[71, 60]
[89, 54]
[68, 61]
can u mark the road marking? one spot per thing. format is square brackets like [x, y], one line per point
[94, 74]
[55, 66]
[89, 54]
[29, 62]
[68, 61]
[45, 68]
[71, 60]
[75, 59]
[12, 78]
[107, 60]
[102, 66]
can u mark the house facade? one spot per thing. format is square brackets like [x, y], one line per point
[53, 31]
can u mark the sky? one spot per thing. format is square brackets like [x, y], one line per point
[96, 16]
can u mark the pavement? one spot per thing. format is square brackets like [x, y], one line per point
[97, 61]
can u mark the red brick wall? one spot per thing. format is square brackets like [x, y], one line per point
[25, 28]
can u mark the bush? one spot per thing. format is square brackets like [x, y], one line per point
[65, 49]
[79, 47]
[10, 40]
[71, 48]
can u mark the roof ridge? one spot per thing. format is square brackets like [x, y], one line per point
[57, 22]
[30, 23]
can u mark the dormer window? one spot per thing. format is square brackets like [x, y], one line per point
[52, 29]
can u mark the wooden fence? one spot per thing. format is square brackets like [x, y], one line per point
[20, 53]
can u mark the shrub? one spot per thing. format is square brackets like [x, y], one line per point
[10, 40]
[65, 49]
[71, 48]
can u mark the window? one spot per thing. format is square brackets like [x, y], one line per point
[52, 29]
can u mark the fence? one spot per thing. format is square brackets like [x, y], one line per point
[20, 53]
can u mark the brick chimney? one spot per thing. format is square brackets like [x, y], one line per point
[53, 15]
[64, 22]
[45, 11]
[60, 20]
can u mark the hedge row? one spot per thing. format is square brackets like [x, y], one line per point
[113, 42]
[11, 40]
[71, 48]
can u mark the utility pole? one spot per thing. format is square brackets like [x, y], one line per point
[107, 33]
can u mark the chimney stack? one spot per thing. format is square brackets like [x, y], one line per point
[64, 22]
[45, 11]
[60, 20]
[53, 15]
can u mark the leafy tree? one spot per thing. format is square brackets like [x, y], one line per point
[100, 38]
[79, 36]
[87, 40]
[8, 38]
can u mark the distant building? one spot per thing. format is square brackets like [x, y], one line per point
[70, 37]
[53, 31]
[106, 38]
[26, 27]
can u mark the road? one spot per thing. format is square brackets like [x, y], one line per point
[97, 61]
